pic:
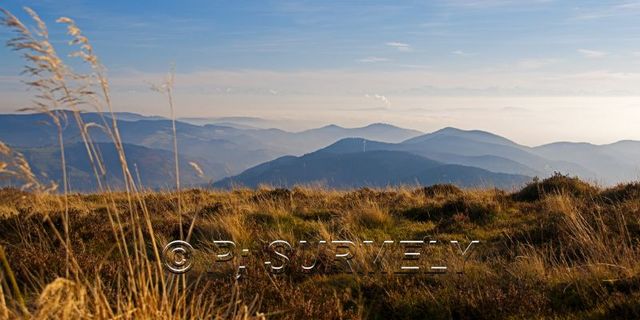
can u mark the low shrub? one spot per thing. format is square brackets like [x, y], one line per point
[556, 184]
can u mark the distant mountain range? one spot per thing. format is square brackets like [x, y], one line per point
[495, 160]
[237, 151]
[370, 168]
[220, 151]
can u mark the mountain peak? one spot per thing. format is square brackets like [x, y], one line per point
[625, 142]
[332, 126]
[453, 130]
[347, 145]
[567, 144]
[380, 125]
[448, 129]
[473, 135]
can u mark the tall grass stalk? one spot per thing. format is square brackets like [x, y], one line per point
[166, 88]
[12, 281]
[4, 310]
[55, 84]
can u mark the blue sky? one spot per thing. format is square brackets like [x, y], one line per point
[485, 64]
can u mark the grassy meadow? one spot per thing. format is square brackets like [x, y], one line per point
[557, 248]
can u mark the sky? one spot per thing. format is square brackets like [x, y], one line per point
[534, 71]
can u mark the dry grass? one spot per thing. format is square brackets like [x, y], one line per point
[559, 248]
[561, 256]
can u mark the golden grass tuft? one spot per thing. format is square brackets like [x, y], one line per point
[63, 299]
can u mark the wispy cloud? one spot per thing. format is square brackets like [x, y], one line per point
[592, 54]
[372, 59]
[462, 53]
[313, 83]
[379, 97]
[401, 46]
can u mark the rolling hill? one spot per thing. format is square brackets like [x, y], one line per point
[238, 149]
[477, 149]
[370, 168]
[154, 168]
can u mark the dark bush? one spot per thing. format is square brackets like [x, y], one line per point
[621, 192]
[558, 183]
[477, 211]
[440, 189]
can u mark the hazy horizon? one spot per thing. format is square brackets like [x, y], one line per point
[286, 124]
[535, 72]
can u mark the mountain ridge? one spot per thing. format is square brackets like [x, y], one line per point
[365, 169]
[229, 150]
